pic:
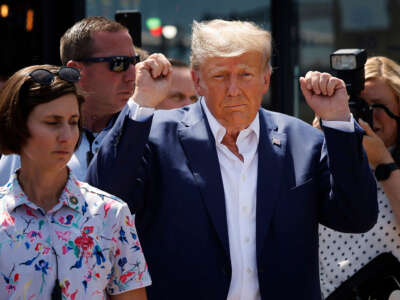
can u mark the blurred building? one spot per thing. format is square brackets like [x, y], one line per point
[305, 32]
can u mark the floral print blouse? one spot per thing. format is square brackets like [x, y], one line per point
[88, 242]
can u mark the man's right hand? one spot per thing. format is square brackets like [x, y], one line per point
[153, 80]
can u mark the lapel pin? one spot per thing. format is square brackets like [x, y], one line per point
[276, 142]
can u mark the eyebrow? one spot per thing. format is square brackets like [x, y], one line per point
[218, 69]
[58, 117]
[375, 100]
[177, 94]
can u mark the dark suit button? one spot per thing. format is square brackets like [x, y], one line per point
[261, 270]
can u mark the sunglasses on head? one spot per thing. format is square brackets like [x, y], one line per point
[116, 63]
[46, 77]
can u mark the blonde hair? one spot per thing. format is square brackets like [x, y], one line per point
[220, 38]
[383, 67]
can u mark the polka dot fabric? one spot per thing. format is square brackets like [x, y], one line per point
[341, 254]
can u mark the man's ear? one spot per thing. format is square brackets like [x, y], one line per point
[267, 79]
[197, 82]
[80, 67]
[75, 64]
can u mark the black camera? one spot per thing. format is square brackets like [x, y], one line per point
[131, 19]
[348, 65]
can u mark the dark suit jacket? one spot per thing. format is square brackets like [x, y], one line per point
[176, 190]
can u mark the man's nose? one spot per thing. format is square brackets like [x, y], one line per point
[233, 87]
[129, 74]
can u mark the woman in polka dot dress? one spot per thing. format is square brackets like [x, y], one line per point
[341, 254]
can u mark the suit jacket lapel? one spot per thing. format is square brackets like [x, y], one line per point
[271, 154]
[199, 146]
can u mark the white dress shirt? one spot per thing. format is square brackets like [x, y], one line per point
[240, 188]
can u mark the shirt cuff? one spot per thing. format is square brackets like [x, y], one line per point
[139, 113]
[346, 126]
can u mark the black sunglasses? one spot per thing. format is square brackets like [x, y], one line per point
[46, 77]
[117, 63]
[387, 111]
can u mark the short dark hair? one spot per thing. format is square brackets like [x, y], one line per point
[77, 41]
[19, 96]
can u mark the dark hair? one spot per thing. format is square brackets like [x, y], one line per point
[77, 41]
[19, 96]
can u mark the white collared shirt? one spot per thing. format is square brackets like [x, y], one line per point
[240, 187]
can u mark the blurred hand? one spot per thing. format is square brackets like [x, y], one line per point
[153, 80]
[326, 95]
[374, 147]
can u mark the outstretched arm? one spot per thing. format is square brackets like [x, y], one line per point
[348, 188]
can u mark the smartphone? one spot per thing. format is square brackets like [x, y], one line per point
[132, 19]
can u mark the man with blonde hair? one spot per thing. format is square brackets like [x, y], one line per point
[228, 195]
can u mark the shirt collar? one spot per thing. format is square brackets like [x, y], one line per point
[71, 196]
[112, 121]
[219, 131]
[109, 125]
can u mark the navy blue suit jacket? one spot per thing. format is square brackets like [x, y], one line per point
[167, 170]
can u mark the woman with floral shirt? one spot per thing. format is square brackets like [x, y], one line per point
[59, 238]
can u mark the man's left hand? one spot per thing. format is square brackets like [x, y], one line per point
[326, 95]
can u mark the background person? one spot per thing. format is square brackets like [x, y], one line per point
[342, 255]
[182, 91]
[57, 228]
[228, 196]
[143, 54]
[107, 85]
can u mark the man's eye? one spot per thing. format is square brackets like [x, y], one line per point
[246, 74]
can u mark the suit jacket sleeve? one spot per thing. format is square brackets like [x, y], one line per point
[352, 202]
[114, 169]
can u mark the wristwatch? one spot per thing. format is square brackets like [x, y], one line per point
[383, 171]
